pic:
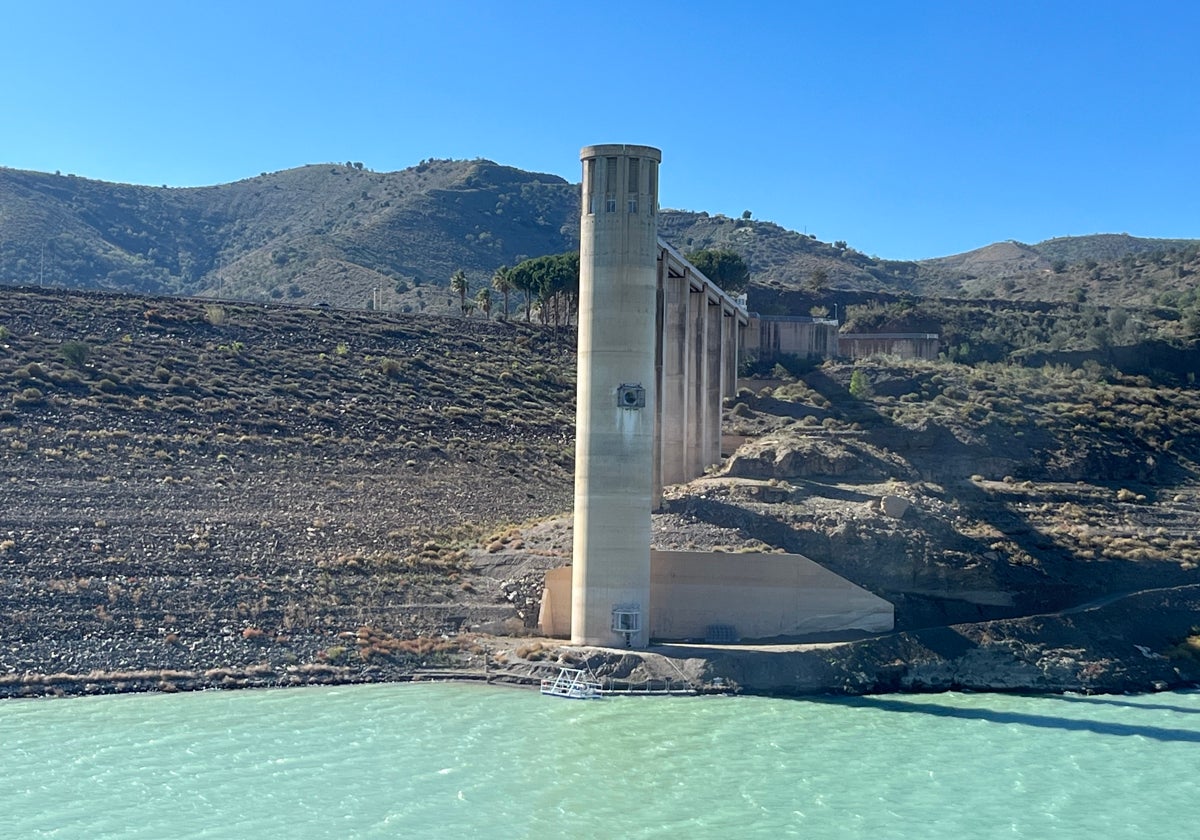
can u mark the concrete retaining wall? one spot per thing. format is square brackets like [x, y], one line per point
[771, 337]
[900, 345]
[759, 595]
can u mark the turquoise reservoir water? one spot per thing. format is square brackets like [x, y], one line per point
[444, 760]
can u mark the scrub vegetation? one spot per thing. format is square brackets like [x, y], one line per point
[203, 487]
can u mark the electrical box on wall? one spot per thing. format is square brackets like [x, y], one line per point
[631, 396]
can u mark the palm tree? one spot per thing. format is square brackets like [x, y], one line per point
[460, 287]
[503, 284]
[483, 299]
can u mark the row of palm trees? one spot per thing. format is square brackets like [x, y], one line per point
[460, 285]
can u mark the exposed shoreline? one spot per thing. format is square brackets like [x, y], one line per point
[1107, 649]
[225, 496]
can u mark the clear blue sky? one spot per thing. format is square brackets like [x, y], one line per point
[909, 129]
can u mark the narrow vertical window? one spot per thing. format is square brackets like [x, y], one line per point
[653, 173]
[610, 185]
[632, 187]
[589, 187]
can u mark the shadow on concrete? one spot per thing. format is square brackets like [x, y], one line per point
[695, 647]
[749, 524]
[1020, 718]
[913, 610]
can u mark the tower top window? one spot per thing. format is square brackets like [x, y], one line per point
[589, 186]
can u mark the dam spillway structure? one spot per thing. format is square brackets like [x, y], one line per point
[615, 401]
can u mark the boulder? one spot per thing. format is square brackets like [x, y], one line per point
[894, 506]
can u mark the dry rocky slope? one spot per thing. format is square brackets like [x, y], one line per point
[198, 494]
[185, 486]
[341, 233]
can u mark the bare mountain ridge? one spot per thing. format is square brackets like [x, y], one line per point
[322, 232]
[343, 234]
[1106, 246]
[1007, 257]
[785, 259]
[1106, 269]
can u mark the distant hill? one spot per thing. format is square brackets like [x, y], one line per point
[1105, 269]
[1107, 246]
[784, 259]
[341, 234]
[330, 232]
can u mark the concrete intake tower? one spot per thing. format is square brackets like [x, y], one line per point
[615, 406]
[658, 353]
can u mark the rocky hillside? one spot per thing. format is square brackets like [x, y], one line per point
[781, 259]
[1106, 269]
[205, 494]
[323, 233]
[344, 235]
[186, 486]
[1024, 491]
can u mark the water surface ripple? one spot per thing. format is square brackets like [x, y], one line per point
[445, 760]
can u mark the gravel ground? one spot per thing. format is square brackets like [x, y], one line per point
[256, 519]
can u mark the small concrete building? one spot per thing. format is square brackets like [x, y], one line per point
[900, 345]
[775, 336]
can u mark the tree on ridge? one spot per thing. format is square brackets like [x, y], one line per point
[553, 280]
[483, 300]
[460, 287]
[724, 267]
[503, 284]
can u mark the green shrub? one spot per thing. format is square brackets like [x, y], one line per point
[75, 352]
[31, 371]
[860, 385]
[30, 396]
[1189, 648]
